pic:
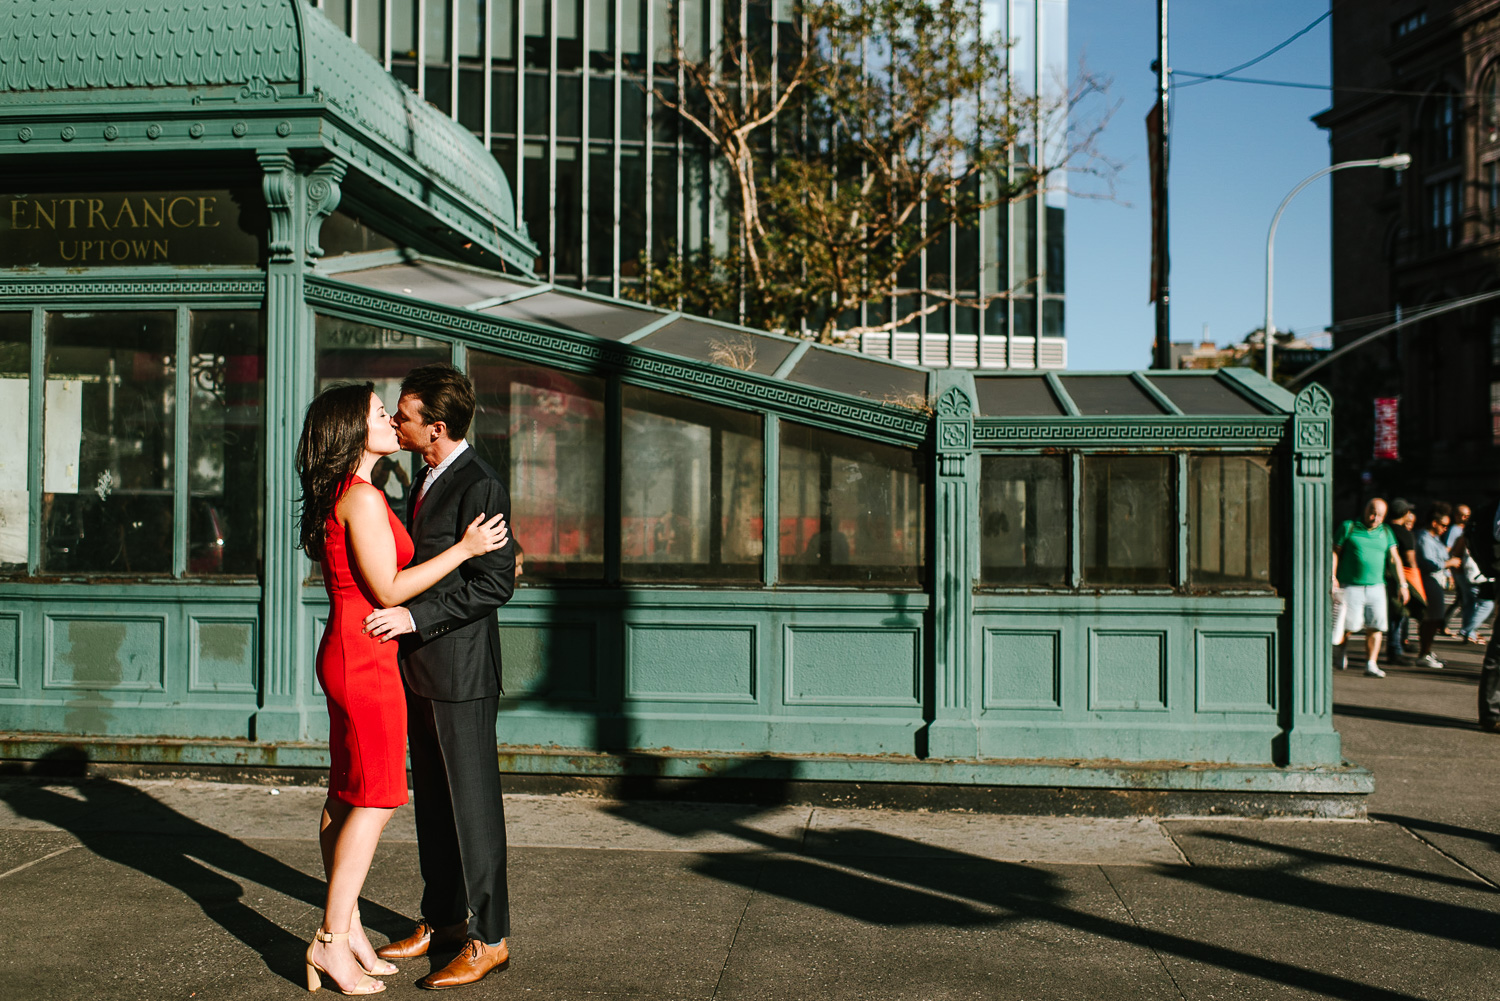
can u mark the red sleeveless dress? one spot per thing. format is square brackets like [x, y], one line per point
[366, 702]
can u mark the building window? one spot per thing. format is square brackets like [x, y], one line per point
[691, 490]
[1442, 214]
[1128, 525]
[1024, 510]
[1489, 106]
[1442, 127]
[16, 450]
[1229, 520]
[108, 449]
[1406, 25]
[543, 430]
[852, 511]
[226, 442]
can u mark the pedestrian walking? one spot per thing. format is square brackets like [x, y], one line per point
[1401, 518]
[1361, 551]
[1434, 562]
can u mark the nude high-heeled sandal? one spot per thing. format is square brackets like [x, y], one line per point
[382, 968]
[366, 984]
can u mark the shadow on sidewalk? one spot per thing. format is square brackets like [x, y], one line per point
[177, 851]
[890, 881]
[1402, 716]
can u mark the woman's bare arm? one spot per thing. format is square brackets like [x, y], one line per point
[362, 512]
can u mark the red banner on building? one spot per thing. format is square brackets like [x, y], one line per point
[1388, 427]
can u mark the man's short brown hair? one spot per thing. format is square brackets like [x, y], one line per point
[443, 394]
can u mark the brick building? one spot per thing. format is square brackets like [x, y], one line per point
[1422, 79]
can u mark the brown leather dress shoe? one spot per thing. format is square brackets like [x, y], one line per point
[425, 937]
[470, 966]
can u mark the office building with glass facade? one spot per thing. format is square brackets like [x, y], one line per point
[561, 92]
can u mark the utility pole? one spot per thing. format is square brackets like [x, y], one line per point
[1162, 353]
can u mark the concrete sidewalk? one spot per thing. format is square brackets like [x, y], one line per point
[158, 889]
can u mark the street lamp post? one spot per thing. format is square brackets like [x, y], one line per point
[1399, 161]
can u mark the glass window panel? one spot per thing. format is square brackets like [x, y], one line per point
[338, 12]
[403, 28]
[633, 109]
[602, 34]
[721, 345]
[1052, 317]
[503, 105]
[471, 99]
[1023, 519]
[369, 23]
[692, 490]
[850, 373]
[543, 431]
[569, 107]
[1025, 317]
[346, 233]
[502, 31]
[471, 28]
[633, 34]
[601, 212]
[406, 73]
[15, 452]
[439, 92]
[349, 351]
[663, 26]
[1108, 394]
[433, 282]
[568, 218]
[538, 50]
[107, 477]
[601, 107]
[1016, 396]
[632, 210]
[664, 196]
[537, 209]
[1229, 520]
[226, 442]
[537, 101]
[569, 35]
[694, 37]
[574, 312]
[1202, 395]
[852, 511]
[439, 33]
[1056, 255]
[1127, 526]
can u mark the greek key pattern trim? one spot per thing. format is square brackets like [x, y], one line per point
[561, 345]
[1057, 431]
[78, 285]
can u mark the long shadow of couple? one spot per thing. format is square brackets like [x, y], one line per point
[124, 825]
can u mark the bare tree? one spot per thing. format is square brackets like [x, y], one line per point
[872, 131]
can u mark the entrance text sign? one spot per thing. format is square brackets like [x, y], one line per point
[129, 228]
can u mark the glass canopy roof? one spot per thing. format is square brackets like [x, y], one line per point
[1124, 395]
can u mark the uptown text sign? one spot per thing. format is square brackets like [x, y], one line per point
[129, 228]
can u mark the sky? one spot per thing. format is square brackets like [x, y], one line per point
[1237, 149]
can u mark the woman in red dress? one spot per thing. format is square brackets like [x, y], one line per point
[348, 526]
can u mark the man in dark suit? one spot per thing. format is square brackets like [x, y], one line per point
[450, 662]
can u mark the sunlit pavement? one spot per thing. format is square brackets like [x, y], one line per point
[155, 889]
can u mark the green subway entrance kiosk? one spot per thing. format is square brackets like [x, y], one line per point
[746, 554]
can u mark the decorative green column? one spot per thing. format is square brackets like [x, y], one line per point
[954, 559]
[1312, 739]
[297, 205]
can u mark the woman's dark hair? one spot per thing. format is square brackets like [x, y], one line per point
[443, 394]
[333, 441]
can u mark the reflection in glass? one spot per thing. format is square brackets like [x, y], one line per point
[851, 510]
[1229, 520]
[107, 444]
[691, 493]
[1023, 520]
[227, 388]
[15, 449]
[349, 351]
[1127, 523]
[543, 431]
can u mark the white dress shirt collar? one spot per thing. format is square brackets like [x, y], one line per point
[441, 468]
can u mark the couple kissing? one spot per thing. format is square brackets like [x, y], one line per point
[410, 655]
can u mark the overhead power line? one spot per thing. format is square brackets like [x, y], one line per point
[1206, 77]
[1416, 316]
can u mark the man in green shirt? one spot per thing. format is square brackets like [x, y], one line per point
[1361, 550]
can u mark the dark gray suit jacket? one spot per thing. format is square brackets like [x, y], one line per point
[455, 654]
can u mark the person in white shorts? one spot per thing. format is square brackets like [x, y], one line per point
[1361, 550]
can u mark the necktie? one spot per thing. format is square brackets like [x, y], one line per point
[416, 490]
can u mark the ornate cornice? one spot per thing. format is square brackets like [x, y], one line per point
[1086, 431]
[77, 286]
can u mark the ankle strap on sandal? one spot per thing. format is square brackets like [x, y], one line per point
[328, 936]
